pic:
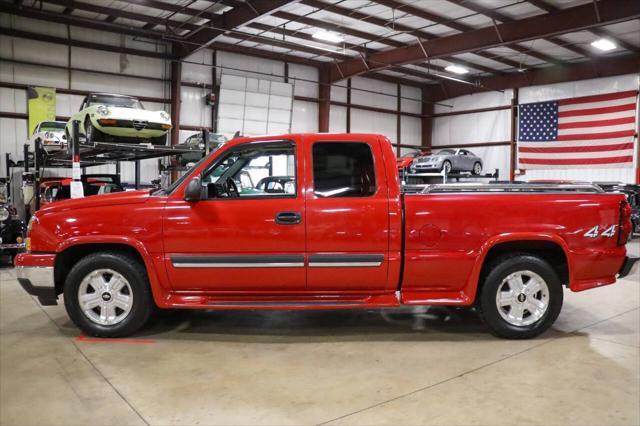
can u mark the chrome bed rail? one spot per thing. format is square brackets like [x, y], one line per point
[511, 188]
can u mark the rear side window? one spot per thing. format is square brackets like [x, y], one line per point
[343, 169]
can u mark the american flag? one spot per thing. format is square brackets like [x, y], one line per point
[590, 131]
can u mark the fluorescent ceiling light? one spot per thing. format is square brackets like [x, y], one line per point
[456, 69]
[604, 45]
[328, 36]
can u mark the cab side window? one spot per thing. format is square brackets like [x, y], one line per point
[254, 170]
[343, 169]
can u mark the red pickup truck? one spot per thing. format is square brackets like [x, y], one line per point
[341, 234]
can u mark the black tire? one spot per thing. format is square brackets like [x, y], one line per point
[89, 131]
[132, 271]
[498, 271]
[446, 166]
[477, 168]
[159, 140]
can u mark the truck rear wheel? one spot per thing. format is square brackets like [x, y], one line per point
[521, 297]
[107, 294]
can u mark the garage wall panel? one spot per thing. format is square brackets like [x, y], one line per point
[117, 63]
[373, 122]
[305, 117]
[242, 65]
[411, 132]
[123, 85]
[337, 119]
[411, 99]
[197, 67]
[193, 109]
[491, 126]
[304, 79]
[374, 93]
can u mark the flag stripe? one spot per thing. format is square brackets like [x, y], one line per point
[579, 107]
[605, 135]
[587, 142]
[597, 123]
[591, 148]
[601, 110]
[569, 161]
[609, 116]
[581, 155]
[598, 98]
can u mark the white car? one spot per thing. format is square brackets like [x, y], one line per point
[51, 134]
[105, 117]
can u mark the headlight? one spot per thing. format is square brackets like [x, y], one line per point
[4, 214]
[165, 116]
[102, 110]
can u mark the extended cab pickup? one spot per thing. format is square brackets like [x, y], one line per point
[338, 234]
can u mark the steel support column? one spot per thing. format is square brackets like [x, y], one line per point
[324, 99]
[513, 146]
[176, 78]
[427, 120]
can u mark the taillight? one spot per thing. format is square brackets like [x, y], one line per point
[624, 225]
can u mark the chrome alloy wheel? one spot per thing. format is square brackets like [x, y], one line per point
[105, 297]
[522, 298]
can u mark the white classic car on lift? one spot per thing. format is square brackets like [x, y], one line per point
[51, 134]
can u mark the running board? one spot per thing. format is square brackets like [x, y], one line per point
[283, 302]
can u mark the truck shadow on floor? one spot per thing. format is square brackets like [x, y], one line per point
[403, 324]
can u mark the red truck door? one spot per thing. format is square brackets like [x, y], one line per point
[249, 240]
[347, 214]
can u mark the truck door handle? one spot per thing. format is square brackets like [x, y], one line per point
[288, 218]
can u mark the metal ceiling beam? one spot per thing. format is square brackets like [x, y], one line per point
[354, 14]
[234, 18]
[367, 36]
[335, 55]
[121, 13]
[547, 7]
[585, 70]
[251, 51]
[500, 17]
[79, 43]
[438, 19]
[363, 50]
[172, 7]
[562, 22]
[30, 12]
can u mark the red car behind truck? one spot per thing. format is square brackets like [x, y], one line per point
[344, 237]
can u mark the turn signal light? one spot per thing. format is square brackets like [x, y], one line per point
[19, 240]
[27, 245]
[107, 121]
[165, 126]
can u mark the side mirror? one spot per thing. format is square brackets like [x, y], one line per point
[193, 191]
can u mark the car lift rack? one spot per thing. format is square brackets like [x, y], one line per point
[443, 178]
[96, 154]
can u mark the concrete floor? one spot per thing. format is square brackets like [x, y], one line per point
[347, 367]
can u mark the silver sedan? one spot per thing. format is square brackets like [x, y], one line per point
[449, 160]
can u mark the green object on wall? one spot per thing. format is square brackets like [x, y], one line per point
[41, 105]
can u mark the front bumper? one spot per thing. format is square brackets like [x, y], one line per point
[12, 247]
[426, 167]
[35, 275]
[630, 266]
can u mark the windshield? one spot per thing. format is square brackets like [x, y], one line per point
[446, 152]
[117, 101]
[52, 126]
[181, 179]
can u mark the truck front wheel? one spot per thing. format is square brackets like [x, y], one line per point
[521, 296]
[107, 294]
